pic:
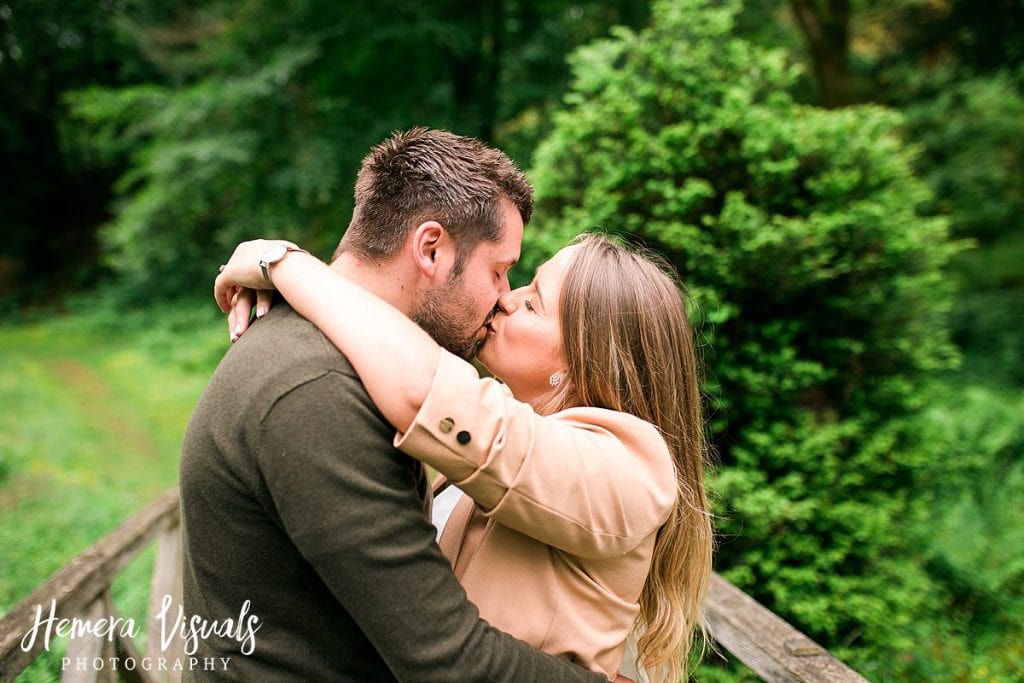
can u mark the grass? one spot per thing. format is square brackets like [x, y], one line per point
[94, 409]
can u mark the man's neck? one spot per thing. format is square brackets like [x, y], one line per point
[386, 281]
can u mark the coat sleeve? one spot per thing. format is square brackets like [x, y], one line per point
[348, 501]
[588, 481]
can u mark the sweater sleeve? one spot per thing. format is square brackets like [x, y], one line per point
[348, 501]
[588, 481]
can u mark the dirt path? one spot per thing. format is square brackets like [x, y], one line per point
[95, 398]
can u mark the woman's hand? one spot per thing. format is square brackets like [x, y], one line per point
[240, 282]
[240, 313]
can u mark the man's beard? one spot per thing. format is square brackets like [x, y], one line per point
[444, 315]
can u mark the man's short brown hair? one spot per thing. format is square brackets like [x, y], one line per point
[422, 174]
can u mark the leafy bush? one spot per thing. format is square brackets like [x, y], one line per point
[988, 324]
[973, 156]
[970, 529]
[972, 137]
[820, 289]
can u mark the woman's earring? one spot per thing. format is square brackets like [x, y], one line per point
[555, 379]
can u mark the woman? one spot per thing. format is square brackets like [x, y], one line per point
[591, 519]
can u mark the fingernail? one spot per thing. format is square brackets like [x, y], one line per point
[261, 311]
[238, 330]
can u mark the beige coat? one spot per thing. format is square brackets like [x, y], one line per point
[559, 545]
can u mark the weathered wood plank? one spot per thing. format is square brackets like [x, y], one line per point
[77, 585]
[166, 582]
[90, 648]
[772, 648]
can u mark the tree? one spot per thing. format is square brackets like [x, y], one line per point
[898, 42]
[55, 190]
[267, 110]
[820, 289]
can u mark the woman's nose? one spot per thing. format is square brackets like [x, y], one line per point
[509, 301]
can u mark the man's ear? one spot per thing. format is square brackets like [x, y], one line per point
[433, 251]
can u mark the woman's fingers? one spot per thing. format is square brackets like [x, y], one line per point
[224, 293]
[264, 300]
[240, 309]
[238, 319]
[241, 284]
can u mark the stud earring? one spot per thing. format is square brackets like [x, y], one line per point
[555, 379]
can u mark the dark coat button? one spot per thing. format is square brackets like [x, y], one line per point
[463, 438]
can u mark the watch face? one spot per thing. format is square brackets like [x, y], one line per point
[274, 254]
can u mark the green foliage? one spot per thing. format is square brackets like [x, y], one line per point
[988, 318]
[973, 137]
[265, 110]
[975, 529]
[821, 293]
[214, 162]
[969, 527]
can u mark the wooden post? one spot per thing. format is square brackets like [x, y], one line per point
[96, 653]
[166, 585]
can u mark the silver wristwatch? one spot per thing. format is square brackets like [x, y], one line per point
[273, 255]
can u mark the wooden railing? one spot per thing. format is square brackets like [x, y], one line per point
[773, 649]
[81, 589]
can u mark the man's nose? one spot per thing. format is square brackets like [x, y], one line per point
[503, 286]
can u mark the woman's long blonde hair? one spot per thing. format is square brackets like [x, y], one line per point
[629, 347]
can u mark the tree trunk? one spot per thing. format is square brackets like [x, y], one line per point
[494, 44]
[825, 25]
[476, 71]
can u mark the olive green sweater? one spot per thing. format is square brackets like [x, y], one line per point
[294, 499]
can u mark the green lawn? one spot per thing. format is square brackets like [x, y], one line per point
[94, 407]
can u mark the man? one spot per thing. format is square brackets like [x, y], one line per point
[294, 501]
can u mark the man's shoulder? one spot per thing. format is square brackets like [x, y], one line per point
[282, 380]
[284, 334]
[284, 350]
[278, 356]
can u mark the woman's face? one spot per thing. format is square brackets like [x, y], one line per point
[524, 345]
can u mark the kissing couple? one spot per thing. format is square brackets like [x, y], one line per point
[568, 515]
